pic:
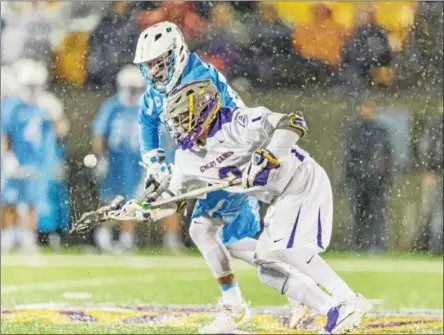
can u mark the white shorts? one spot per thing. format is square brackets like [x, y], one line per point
[302, 216]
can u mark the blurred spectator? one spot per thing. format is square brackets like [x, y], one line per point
[367, 49]
[368, 176]
[224, 44]
[112, 44]
[181, 13]
[28, 157]
[116, 144]
[27, 32]
[271, 47]
[433, 151]
[320, 42]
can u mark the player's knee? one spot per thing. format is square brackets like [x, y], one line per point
[273, 276]
[205, 234]
[203, 231]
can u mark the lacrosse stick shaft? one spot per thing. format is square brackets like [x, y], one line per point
[197, 193]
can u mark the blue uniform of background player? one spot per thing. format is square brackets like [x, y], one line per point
[29, 131]
[239, 213]
[53, 210]
[53, 213]
[119, 125]
[116, 142]
[27, 165]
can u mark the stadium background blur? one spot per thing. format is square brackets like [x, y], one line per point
[285, 55]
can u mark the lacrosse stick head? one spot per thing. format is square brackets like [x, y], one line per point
[87, 222]
[90, 220]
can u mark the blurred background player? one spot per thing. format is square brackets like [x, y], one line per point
[8, 82]
[28, 158]
[53, 214]
[116, 144]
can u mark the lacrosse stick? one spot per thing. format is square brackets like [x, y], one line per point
[138, 210]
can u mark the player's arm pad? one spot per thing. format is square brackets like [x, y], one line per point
[293, 122]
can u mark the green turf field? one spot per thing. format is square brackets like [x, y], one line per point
[75, 293]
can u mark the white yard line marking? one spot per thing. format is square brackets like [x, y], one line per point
[76, 295]
[352, 265]
[48, 286]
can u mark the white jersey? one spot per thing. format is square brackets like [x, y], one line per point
[229, 146]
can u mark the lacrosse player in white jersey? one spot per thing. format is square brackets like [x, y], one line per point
[259, 147]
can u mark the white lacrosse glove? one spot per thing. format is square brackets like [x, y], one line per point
[158, 174]
[257, 172]
[137, 210]
[101, 169]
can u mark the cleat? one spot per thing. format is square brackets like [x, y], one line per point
[230, 318]
[298, 313]
[347, 316]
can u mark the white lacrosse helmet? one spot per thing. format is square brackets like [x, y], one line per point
[189, 108]
[31, 79]
[161, 55]
[129, 76]
[130, 85]
[30, 72]
[8, 81]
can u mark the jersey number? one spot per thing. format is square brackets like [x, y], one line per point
[33, 133]
[124, 135]
[229, 172]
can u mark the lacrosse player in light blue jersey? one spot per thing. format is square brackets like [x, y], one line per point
[29, 156]
[116, 143]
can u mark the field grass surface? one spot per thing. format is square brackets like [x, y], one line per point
[78, 293]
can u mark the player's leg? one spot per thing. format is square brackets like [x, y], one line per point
[275, 271]
[11, 191]
[103, 238]
[243, 250]
[205, 233]
[172, 238]
[238, 237]
[313, 234]
[126, 238]
[109, 187]
[48, 215]
[29, 193]
[172, 233]
[28, 237]
[9, 219]
[297, 238]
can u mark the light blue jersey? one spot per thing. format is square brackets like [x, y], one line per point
[152, 102]
[239, 212]
[33, 141]
[118, 124]
[53, 213]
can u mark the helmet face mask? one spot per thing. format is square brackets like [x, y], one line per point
[159, 71]
[191, 108]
